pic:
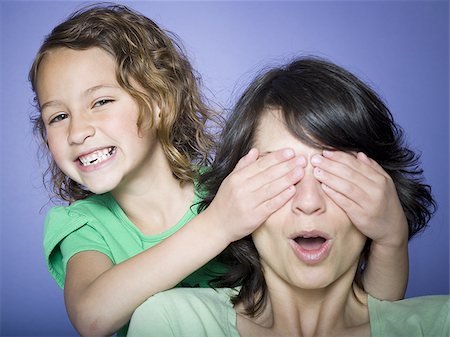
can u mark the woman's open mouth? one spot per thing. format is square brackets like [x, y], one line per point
[311, 247]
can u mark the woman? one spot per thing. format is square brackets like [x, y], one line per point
[301, 272]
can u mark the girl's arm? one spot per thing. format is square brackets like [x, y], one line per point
[101, 297]
[367, 194]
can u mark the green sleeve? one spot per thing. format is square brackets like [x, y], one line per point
[83, 239]
[67, 233]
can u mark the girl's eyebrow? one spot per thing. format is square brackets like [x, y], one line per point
[50, 104]
[98, 87]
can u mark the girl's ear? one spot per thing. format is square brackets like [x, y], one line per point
[150, 121]
[157, 116]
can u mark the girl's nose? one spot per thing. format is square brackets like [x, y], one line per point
[309, 197]
[80, 129]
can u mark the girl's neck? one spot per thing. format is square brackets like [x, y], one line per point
[154, 200]
[338, 310]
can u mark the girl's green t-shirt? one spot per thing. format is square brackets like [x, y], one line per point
[98, 223]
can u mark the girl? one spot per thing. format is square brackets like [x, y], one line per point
[301, 273]
[124, 122]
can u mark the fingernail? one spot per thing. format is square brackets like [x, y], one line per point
[362, 155]
[288, 153]
[301, 161]
[316, 159]
[318, 172]
[298, 172]
[327, 153]
[252, 150]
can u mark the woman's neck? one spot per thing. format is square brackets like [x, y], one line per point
[338, 310]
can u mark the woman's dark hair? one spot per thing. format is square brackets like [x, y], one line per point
[325, 107]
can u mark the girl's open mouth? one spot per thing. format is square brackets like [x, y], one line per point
[96, 157]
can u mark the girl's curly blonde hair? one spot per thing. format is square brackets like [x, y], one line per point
[151, 58]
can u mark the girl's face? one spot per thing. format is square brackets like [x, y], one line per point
[90, 120]
[310, 242]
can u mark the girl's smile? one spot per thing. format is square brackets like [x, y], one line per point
[96, 159]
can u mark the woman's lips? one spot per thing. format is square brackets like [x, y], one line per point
[311, 248]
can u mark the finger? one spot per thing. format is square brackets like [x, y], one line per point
[348, 159]
[363, 157]
[356, 192]
[274, 188]
[372, 163]
[348, 168]
[248, 159]
[362, 166]
[351, 208]
[270, 159]
[358, 161]
[289, 171]
[342, 156]
[367, 192]
[272, 205]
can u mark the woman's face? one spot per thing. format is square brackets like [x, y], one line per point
[309, 242]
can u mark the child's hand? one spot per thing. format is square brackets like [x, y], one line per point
[365, 192]
[257, 187]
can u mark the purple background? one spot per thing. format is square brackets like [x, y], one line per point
[401, 48]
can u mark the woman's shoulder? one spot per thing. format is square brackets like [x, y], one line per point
[218, 300]
[216, 297]
[186, 312]
[417, 316]
[416, 304]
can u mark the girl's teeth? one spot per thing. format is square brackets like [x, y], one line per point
[97, 156]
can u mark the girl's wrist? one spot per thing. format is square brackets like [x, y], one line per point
[215, 227]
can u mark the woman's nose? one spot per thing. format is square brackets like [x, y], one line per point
[80, 129]
[309, 197]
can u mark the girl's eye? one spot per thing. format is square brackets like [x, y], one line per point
[58, 118]
[102, 102]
